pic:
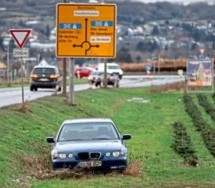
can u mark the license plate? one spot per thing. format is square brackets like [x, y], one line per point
[88, 164]
[43, 79]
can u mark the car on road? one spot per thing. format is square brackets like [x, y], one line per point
[97, 78]
[93, 143]
[112, 68]
[81, 72]
[45, 76]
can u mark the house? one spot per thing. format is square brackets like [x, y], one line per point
[3, 69]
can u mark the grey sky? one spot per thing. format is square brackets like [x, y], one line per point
[177, 1]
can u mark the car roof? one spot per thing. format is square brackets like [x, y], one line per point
[45, 66]
[90, 68]
[88, 120]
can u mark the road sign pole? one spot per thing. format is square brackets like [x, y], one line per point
[64, 71]
[20, 36]
[22, 80]
[71, 83]
[8, 66]
[105, 73]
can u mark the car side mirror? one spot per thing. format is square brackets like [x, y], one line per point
[50, 139]
[126, 137]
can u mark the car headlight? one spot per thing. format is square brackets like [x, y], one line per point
[108, 154]
[54, 153]
[70, 155]
[116, 154]
[62, 155]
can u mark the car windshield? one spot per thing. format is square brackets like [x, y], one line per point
[44, 71]
[113, 67]
[88, 131]
[97, 73]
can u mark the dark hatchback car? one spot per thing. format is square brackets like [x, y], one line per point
[89, 143]
[45, 77]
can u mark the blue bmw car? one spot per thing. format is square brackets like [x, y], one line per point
[89, 143]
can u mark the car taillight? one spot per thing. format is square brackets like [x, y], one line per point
[54, 76]
[34, 76]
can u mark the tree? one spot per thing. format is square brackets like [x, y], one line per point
[155, 30]
[12, 44]
[123, 55]
[1, 43]
[47, 32]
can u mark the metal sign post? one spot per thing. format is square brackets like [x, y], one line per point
[20, 36]
[8, 65]
[64, 70]
[71, 83]
[85, 31]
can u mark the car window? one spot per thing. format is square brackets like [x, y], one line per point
[97, 73]
[44, 71]
[87, 131]
[113, 67]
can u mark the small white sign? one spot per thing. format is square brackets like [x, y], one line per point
[100, 39]
[20, 52]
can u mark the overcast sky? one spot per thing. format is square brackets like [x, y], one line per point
[176, 1]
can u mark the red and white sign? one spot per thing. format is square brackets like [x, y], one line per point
[20, 36]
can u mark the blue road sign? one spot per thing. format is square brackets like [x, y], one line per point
[148, 67]
[101, 23]
[70, 26]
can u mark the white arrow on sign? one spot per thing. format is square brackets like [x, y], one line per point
[20, 36]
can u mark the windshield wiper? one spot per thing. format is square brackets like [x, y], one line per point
[70, 140]
[101, 139]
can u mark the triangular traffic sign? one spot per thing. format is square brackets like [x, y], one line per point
[20, 36]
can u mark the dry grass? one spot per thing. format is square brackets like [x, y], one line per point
[168, 88]
[164, 64]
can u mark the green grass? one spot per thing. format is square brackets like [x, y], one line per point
[22, 135]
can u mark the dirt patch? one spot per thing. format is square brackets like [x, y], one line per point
[168, 88]
[134, 169]
[23, 108]
[39, 167]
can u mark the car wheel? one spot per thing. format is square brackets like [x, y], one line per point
[31, 88]
[59, 88]
[35, 88]
[97, 84]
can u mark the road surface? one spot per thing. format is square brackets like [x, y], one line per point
[9, 96]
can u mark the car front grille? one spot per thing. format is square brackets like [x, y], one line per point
[83, 155]
[95, 155]
[86, 155]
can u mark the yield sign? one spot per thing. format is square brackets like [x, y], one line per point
[20, 36]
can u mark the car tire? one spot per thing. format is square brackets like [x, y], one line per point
[31, 88]
[97, 84]
[59, 88]
[35, 88]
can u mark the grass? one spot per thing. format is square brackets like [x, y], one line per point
[153, 163]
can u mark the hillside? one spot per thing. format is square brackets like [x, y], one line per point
[128, 12]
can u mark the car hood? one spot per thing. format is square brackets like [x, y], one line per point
[83, 146]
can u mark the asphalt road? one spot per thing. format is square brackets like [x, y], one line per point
[9, 96]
